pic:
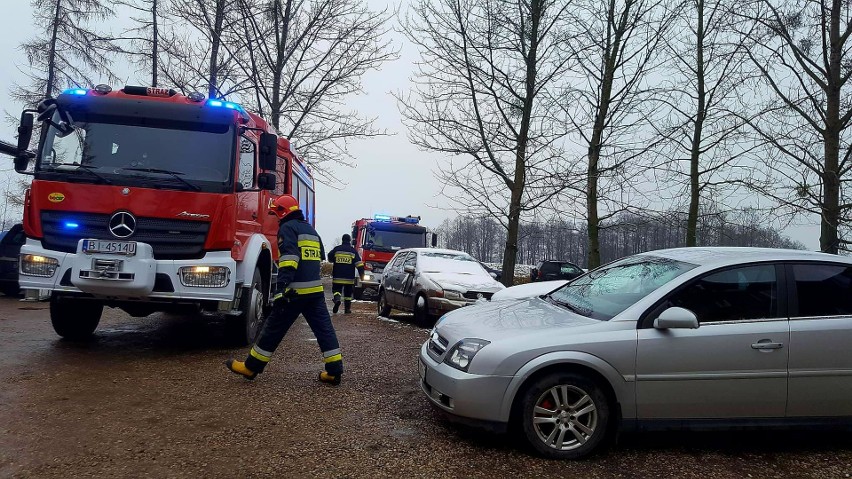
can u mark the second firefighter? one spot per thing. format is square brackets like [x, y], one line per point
[345, 260]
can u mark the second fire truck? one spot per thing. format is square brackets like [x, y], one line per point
[377, 239]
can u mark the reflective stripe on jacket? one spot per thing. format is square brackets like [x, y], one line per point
[345, 260]
[300, 254]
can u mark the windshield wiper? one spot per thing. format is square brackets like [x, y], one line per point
[565, 305]
[87, 169]
[174, 174]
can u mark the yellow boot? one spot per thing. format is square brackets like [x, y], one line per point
[239, 367]
[324, 377]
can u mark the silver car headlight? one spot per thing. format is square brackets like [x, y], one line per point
[463, 352]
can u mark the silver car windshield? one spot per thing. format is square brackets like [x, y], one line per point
[607, 291]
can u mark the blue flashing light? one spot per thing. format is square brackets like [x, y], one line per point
[381, 217]
[69, 225]
[75, 91]
[412, 220]
[227, 104]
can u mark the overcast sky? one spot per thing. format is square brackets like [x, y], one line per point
[392, 176]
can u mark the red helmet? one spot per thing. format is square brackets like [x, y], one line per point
[283, 206]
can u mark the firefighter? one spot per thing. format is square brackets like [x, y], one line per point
[298, 291]
[345, 260]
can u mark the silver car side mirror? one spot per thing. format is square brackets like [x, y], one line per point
[409, 269]
[676, 318]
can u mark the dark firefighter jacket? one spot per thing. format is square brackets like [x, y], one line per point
[300, 254]
[345, 260]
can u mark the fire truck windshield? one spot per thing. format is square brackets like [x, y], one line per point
[136, 152]
[390, 240]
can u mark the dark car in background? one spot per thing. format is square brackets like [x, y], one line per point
[550, 270]
[10, 249]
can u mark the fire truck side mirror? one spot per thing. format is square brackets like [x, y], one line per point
[266, 181]
[434, 240]
[25, 134]
[268, 151]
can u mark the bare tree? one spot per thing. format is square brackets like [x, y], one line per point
[68, 50]
[302, 60]
[485, 93]
[802, 49]
[196, 44]
[707, 98]
[144, 38]
[609, 103]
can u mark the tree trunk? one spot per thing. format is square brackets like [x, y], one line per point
[611, 54]
[695, 154]
[828, 240]
[215, 42]
[281, 55]
[510, 254]
[155, 43]
[51, 55]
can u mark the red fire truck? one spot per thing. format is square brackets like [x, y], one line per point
[148, 200]
[378, 239]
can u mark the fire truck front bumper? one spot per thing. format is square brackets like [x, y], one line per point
[370, 281]
[129, 274]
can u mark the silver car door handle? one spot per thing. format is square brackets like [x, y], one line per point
[766, 345]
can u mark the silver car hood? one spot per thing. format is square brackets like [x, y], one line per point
[509, 319]
[465, 282]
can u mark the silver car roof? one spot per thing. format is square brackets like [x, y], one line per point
[721, 256]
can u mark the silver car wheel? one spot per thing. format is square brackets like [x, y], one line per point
[565, 417]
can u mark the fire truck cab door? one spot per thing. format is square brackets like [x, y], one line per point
[250, 210]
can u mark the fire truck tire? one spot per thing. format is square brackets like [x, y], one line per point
[383, 308]
[358, 293]
[74, 319]
[11, 290]
[245, 327]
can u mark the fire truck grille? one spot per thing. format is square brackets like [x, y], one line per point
[170, 239]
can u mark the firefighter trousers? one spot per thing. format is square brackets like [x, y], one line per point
[342, 291]
[284, 314]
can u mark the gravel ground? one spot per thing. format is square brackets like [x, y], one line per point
[150, 397]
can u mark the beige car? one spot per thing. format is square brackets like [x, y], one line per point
[430, 282]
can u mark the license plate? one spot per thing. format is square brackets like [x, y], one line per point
[421, 369]
[112, 247]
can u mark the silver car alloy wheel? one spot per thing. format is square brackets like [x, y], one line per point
[565, 417]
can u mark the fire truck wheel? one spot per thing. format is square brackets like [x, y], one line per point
[247, 325]
[74, 319]
[384, 308]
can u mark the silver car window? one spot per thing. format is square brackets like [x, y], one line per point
[397, 262]
[823, 289]
[411, 260]
[609, 290]
[737, 294]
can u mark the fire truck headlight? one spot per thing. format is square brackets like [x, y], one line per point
[36, 265]
[204, 276]
[367, 277]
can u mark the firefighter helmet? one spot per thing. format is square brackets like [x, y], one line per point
[283, 206]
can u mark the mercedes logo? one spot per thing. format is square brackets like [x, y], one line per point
[122, 224]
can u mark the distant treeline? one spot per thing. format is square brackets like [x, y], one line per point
[625, 235]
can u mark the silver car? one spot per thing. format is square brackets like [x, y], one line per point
[709, 337]
[430, 282]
